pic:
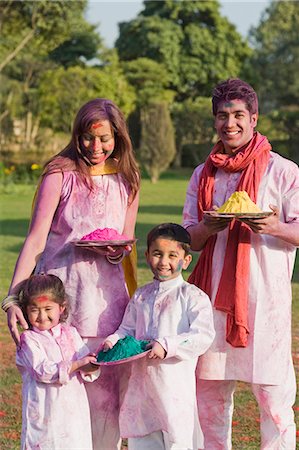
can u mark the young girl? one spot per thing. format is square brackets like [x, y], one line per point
[55, 405]
[93, 183]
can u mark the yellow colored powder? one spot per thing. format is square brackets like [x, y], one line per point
[239, 202]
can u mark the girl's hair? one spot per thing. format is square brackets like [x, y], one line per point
[171, 231]
[37, 285]
[71, 157]
[235, 89]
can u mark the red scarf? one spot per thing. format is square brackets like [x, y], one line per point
[232, 294]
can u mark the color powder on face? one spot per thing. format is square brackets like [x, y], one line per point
[97, 125]
[180, 266]
[124, 348]
[42, 298]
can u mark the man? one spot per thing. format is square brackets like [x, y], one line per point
[246, 268]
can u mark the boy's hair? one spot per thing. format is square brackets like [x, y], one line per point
[40, 284]
[171, 231]
[235, 89]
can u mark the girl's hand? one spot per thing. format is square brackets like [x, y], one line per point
[15, 316]
[157, 351]
[84, 364]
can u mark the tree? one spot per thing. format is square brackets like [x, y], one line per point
[275, 65]
[58, 104]
[157, 147]
[31, 31]
[195, 44]
[194, 129]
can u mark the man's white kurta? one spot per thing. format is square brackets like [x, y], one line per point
[267, 357]
[161, 393]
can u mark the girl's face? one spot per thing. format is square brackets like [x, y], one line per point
[167, 259]
[98, 143]
[43, 313]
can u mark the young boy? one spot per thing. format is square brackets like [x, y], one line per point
[159, 408]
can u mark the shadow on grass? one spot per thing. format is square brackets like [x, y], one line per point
[161, 209]
[14, 227]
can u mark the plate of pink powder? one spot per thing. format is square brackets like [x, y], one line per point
[102, 237]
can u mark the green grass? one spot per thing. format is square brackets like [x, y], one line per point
[161, 202]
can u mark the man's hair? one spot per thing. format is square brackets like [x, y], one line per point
[235, 89]
[171, 231]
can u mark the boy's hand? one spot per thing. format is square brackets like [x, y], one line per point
[107, 345]
[157, 351]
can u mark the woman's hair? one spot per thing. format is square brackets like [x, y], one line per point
[98, 109]
[235, 89]
[171, 231]
[42, 284]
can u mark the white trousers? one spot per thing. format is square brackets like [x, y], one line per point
[277, 426]
[157, 440]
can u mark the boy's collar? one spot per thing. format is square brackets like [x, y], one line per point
[164, 285]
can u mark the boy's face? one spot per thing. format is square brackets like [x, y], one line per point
[167, 259]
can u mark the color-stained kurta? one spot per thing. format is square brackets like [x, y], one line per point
[268, 355]
[96, 289]
[55, 405]
[161, 393]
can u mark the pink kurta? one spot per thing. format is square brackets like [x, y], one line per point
[271, 267]
[96, 289]
[55, 406]
[161, 393]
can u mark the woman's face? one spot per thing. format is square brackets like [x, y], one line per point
[98, 143]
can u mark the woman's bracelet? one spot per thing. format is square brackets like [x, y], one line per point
[116, 259]
[9, 301]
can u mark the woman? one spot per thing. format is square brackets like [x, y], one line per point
[92, 183]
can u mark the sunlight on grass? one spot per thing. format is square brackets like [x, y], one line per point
[162, 202]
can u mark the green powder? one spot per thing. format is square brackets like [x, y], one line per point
[124, 348]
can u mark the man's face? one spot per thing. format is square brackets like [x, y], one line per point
[234, 125]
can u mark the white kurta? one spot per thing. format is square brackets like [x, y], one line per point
[161, 393]
[55, 406]
[267, 357]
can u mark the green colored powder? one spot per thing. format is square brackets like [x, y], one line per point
[124, 348]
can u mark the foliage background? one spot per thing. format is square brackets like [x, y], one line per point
[172, 53]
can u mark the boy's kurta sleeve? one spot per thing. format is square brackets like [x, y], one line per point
[201, 334]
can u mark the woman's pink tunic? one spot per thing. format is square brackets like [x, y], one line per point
[96, 289]
[268, 355]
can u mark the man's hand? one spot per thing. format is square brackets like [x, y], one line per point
[15, 316]
[215, 224]
[267, 225]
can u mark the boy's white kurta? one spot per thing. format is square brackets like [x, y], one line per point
[55, 406]
[161, 393]
[267, 358]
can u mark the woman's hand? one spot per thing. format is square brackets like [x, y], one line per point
[110, 250]
[15, 316]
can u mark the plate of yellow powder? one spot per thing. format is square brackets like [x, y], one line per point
[240, 206]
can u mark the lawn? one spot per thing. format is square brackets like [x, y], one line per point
[159, 203]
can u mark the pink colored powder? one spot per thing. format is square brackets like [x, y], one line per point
[104, 234]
